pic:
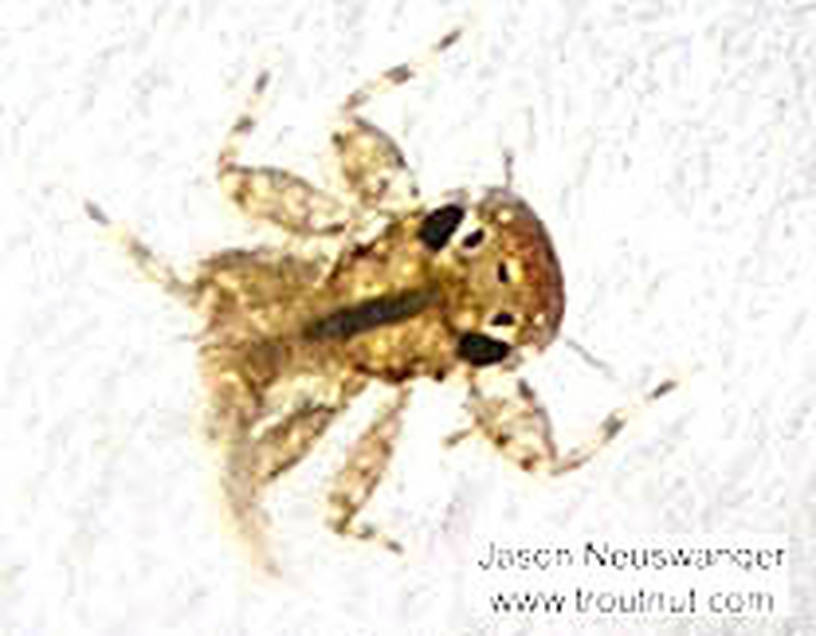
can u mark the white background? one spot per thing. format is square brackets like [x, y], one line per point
[670, 148]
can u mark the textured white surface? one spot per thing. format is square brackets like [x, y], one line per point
[670, 147]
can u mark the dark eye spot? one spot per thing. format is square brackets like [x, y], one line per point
[473, 239]
[502, 273]
[481, 350]
[502, 319]
[439, 226]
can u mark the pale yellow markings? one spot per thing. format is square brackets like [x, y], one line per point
[230, 181]
[468, 225]
[506, 216]
[262, 185]
[294, 198]
[380, 347]
[409, 270]
[207, 301]
[515, 271]
[402, 189]
[368, 143]
[502, 332]
[261, 426]
[468, 320]
[369, 289]
[228, 282]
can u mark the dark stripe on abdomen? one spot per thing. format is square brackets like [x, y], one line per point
[369, 314]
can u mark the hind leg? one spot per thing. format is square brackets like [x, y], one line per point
[143, 258]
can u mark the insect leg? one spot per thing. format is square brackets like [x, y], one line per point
[370, 166]
[399, 74]
[268, 194]
[355, 483]
[608, 428]
[250, 464]
[244, 124]
[522, 432]
[517, 425]
[142, 257]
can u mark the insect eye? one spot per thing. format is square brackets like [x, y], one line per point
[480, 350]
[439, 226]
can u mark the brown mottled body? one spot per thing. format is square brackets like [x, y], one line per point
[463, 283]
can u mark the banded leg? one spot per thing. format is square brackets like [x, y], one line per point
[355, 483]
[371, 167]
[508, 168]
[244, 124]
[521, 429]
[268, 194]
[399, 74]
[142, 257]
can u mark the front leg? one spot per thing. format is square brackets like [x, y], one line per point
[372, 170]
[371, 167]
[268, 195]
[520, 428]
